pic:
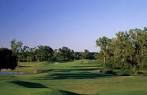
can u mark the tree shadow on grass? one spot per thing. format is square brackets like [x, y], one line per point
[21, 66]
[56, 92]
[86, 66]
[28, 84]
[75, 70]
[38, 85]
[74, 75]
[68, 93]
[79, 75]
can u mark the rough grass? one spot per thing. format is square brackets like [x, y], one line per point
[70, 78]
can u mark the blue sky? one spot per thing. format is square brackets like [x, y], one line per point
[72, 23]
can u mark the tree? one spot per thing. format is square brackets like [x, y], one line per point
[64, 54]
[104, 44]
[77, 55]
[88, 55]
[85, 54]
[8, 60]
[123, 50]
[139, 39]
[44, 53]
[126, 50]
[16, 46]
[27, 54]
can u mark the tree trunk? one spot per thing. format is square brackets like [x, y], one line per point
[104, 65]
[141, 59]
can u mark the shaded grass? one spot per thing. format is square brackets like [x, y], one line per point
[28, 84]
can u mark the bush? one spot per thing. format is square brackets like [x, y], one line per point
[126, 72]
[140, 73]
[8, 60]
[110, 72]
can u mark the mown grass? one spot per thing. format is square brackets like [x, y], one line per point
[70, 78]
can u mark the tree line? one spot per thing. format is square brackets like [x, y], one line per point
[127, 50]
[46, 53]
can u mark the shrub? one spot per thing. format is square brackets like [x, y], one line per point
[8, 60]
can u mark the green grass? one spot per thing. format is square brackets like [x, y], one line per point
[70, 78]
